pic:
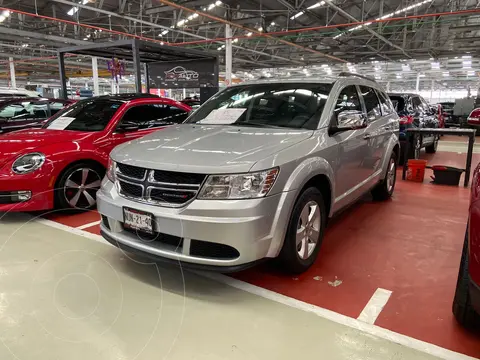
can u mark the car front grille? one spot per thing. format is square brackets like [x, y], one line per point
[164, 188]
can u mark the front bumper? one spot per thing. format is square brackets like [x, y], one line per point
[39, 186]
[248, 230]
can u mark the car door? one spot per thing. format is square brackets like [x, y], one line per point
[142, 119]
[377, 132]
[353, 148]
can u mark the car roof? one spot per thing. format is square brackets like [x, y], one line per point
[403, 94]
[128, 96]
[10, 99]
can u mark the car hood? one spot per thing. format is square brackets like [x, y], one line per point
[207, 148]
[21, 142]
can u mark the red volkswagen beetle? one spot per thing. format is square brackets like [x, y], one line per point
[63, 163]
[466, 304]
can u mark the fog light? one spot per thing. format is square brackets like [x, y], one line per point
[23, 195]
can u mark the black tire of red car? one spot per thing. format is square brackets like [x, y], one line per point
[432, 148]
[462, 306]
[74, 190]
[289, 258]
[384, 189]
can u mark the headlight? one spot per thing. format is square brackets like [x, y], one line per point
[111, 168]
[238, 186]
[28, 163]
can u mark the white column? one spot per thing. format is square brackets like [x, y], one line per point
[114, 87]
[228, 56]
[96, 88]
[184, 93]
[417, 86]
[431, 91]
[13, 80]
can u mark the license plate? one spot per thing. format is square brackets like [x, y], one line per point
[137, 220]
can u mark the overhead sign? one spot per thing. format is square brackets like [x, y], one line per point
[187, 74]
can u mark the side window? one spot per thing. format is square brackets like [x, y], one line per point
[348, 100]
[372, 104]
[385, 103]
[24, 110]
[154, 115]
[417, 103]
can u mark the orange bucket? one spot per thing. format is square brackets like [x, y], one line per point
[416, 170]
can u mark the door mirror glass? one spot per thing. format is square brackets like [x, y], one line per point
[351, 120]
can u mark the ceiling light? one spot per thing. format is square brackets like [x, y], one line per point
[164, 32]
[85, 38]
[181, 22]
[190, 17]
[435, 65]
[377, 77]
[325, 65]
[218, 3]
[6, 13]
[249, 34]
[467, 64]
[219, 48]
[466, 57]
[421, 75]
[471, 73]
[445, 73]
[406, 67]
[72, 11]
[162, 43]
[235, 40]
[399, 76]
[273, 23]
[211, 6]
[296, 15]
[195, 15]
[305, 70]
[260, 29]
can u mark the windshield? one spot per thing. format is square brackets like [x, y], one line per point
[86, 115]
[266, 105]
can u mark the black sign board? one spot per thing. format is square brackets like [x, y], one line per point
[185, 74]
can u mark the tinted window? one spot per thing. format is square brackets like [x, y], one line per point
[348, 100]
[152, 115]
[56, 107]
[372, 104]
[24, 110]
[398, 103]
[417, 103]
[263, 105]
[85, 115]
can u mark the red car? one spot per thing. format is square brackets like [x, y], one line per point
[466, 304]
[474, 119]
[27, 112]
[62, 164]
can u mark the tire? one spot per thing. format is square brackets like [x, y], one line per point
[297, 256]
[432, 149]
[75, 190]
[384, 189]
[462, 306]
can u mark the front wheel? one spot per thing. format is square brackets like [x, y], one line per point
[78, 185]
[384, 189]
[304, 233]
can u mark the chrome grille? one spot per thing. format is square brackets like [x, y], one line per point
[158, 187]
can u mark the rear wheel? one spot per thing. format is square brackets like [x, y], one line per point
[384, 189]
[462, 306]
[304, 233]
[431, 149]
[78, 185]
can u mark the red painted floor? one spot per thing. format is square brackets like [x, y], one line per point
[410, 245]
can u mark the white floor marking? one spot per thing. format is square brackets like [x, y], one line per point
[84, 226]
[374, 306]
[371, 329]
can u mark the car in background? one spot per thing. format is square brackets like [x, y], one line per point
[466, 303]
[6, 92]
[253, 174]
[28, 112]
[447, 109]
[473, 119]
[414, 112]
[63, 163]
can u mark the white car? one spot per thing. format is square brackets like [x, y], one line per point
[17, 92]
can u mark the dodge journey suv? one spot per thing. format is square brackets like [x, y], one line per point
[254, 173]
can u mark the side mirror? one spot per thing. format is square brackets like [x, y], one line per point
[127, 128]
[349, 120]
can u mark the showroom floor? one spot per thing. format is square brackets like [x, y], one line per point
[66, 294]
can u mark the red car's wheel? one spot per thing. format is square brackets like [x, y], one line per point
[78, 185]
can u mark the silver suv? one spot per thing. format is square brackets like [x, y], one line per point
[252, 174]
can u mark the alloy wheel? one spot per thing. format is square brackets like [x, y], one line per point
[308, 230]
[391, 175]
[81, 187]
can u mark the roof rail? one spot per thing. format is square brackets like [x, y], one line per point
[346, 73]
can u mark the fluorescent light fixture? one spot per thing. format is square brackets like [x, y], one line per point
[421, 75]
[406, 67]
[85, 38]
[377, 77]
[399, 76]
[467, 64]
[435, 65]
[466, 57]
[6, 13]
[211, 6]
[162, 43]
[190, 17]
[72, 11]
[305, 70]
[235, 40]
[446, 73]
[296, 15]
[272, 23]
[325, 66]
[218, 3]
[164, 32]
[386, 16]
[249, 34]
[260, 29]
[219, 48]
[471, 73]
[181, 22]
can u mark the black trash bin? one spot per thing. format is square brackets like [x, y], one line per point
[446, 175]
